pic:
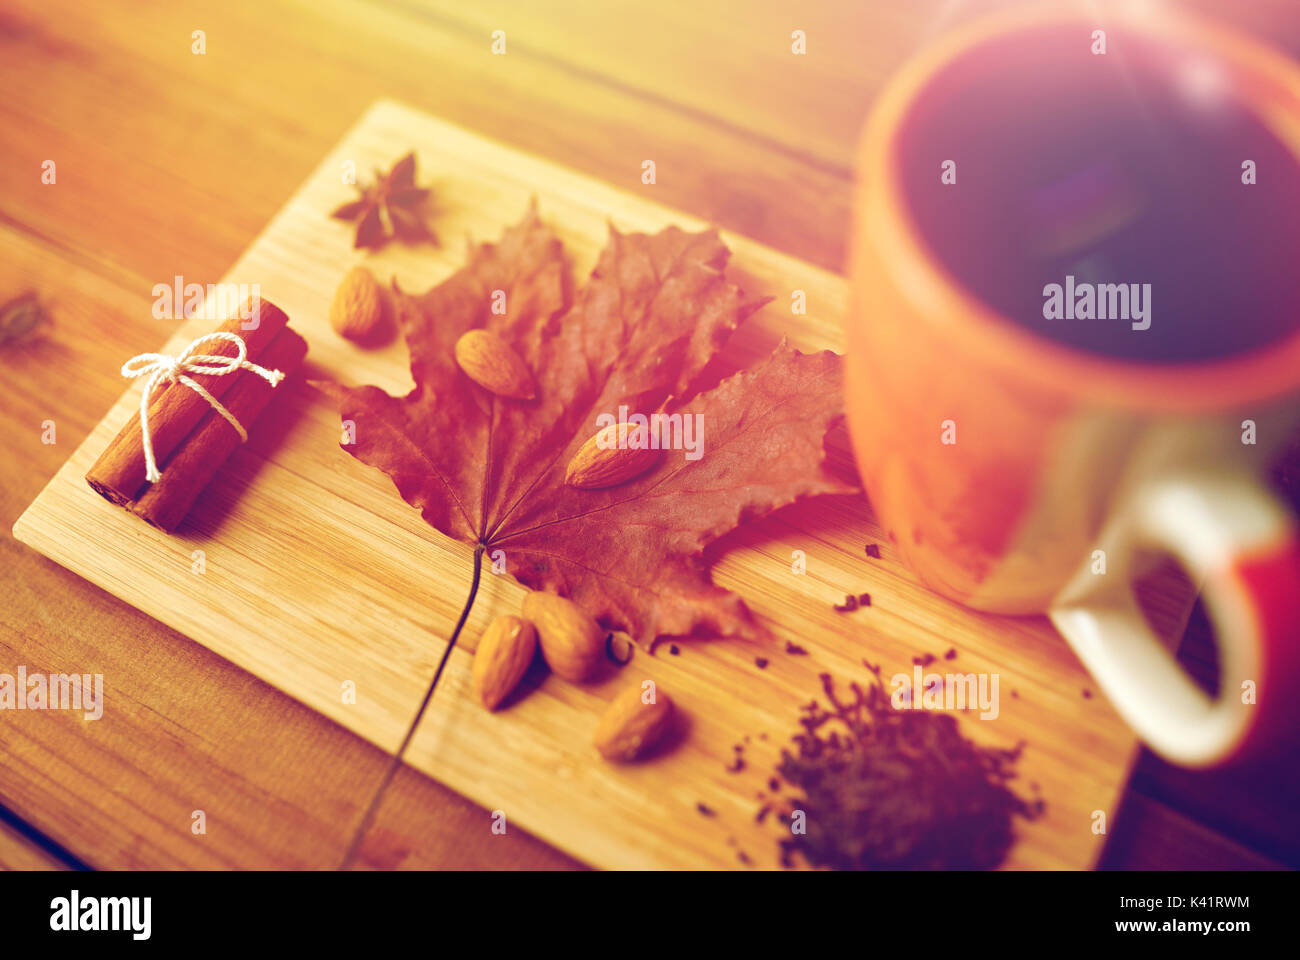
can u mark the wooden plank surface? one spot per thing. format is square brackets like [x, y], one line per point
[159, 178]
[316, 574]
[19, 852]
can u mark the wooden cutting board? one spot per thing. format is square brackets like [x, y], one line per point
[317, 577]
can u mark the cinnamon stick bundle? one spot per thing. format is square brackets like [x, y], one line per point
[166, 501]
[190, 438]
[119, 473]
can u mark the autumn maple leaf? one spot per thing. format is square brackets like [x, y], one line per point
[490, 471]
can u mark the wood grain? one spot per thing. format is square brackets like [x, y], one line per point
[316, 574]
[188, 730]
[18, 852]
[235, 130]
[1149, 831]
[159, 178]
[739, 68]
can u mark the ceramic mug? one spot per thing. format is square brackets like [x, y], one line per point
[1019, 472]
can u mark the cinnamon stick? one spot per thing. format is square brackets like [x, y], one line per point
[166, 502]
[118, 474]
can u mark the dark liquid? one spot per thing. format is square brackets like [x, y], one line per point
[1122, 168]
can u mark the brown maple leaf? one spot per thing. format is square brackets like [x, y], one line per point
[389, 208]
[491, 471]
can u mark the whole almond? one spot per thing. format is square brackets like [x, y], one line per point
[631, 726]
[358, 306]
[572, 642]
[612, 455]
[504, 652]
[493, 364]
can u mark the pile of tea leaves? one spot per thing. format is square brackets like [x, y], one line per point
[886, 789]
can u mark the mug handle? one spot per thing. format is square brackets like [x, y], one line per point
[1241, 544]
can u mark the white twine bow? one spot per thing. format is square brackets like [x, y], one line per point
[161, 368]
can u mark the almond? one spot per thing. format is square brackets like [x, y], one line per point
[631, 726]
[613, 455]
[493, 364]
[358, 306]
[504, 652]
[572, 642]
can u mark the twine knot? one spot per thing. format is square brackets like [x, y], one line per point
[161, 368]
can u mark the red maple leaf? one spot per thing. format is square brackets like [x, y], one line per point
[490, 471]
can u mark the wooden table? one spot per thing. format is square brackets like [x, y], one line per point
[168, 161]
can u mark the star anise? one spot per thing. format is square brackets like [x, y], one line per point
[389, 208]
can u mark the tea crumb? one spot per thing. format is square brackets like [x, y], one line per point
[887, 789]
[737, 762]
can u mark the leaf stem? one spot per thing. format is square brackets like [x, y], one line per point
[396, 762]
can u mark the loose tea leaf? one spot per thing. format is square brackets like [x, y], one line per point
[490, 471]
[897, 789]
